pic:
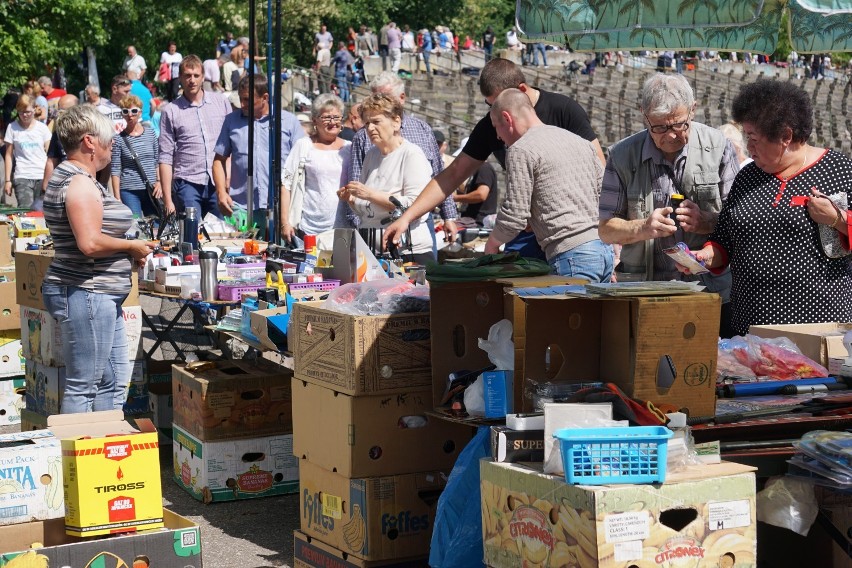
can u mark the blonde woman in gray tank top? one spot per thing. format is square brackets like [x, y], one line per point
[89, 277]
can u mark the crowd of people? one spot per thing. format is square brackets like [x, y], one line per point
[772, 227]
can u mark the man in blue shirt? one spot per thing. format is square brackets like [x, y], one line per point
[233, 143]
[139, 89]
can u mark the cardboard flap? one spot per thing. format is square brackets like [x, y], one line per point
[90, 424]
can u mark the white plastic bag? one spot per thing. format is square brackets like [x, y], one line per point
[499, 345]
[474, 398]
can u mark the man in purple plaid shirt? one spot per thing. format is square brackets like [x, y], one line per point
[189, 128]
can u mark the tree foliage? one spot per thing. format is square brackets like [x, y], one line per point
[37, 35]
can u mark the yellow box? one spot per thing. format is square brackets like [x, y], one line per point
[111, 473]
[30, 227]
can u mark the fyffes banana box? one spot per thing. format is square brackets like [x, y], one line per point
[372, 518]
[111, 473]
[30, 477]
[701, 516]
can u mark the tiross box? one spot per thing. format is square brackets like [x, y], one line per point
[30, 477]
[111, 473]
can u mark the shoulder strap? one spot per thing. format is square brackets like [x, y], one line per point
[135, 159]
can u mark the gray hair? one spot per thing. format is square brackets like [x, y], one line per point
[389, 83]
[73, 124]
[663, 94]
[325, 101]
[733, 134]
[92, 88]
[45, 80]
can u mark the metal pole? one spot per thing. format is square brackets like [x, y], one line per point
[275, 135]
[250, 173]
[273, 90]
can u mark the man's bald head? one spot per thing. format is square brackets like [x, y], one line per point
[67, 101]
[512, 114]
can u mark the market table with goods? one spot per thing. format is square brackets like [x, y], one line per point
[487, 415]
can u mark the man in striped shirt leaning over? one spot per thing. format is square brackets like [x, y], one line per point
[189, 128]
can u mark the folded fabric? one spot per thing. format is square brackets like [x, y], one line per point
[508, 265]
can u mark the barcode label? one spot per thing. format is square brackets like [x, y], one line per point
[9, 512]
[332, 506]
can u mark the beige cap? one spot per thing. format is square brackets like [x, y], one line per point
[303, 117]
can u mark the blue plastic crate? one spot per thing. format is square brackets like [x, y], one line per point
[606, 456]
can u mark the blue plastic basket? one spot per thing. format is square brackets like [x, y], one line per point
[606, 456]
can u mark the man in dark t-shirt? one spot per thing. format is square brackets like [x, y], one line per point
[551, 108]
[480, 194]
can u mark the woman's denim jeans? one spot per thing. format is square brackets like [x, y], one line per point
[94, 346]
[592, 260]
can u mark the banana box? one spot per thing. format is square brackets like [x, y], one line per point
[373, 518]
[30, 477]
[11, 400]
[45, 386]
[313, 553]
[701, 516]
[11, 357]
[111, 473]
[227, 470]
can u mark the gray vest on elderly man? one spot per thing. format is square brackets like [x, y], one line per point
[700, 184]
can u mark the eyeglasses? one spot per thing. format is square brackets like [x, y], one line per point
[663, 128]
[133, 111]
[26, 112]
[125, 82]
[328, 119]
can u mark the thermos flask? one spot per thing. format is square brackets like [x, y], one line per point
[209, 261]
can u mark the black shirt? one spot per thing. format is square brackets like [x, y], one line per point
[55, 150]
[347, 133]
[485, 175]
[552, 109]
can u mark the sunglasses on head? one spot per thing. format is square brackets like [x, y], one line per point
[133, 111]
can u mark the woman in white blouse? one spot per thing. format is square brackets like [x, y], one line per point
[313, 173]
[394, 168]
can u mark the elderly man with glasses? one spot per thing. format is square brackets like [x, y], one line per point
[647, 173]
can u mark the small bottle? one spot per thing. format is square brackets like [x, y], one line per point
[190, 227]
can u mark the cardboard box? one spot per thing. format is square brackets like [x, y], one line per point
[626, 341]
[111, 472]
[178, 545]
[9, 313]
[696, 517]
[362, 354]
[160, 372]
[227, 470]
[463, 312]
[30, 227]
[234, 399]
[45, 387]
[11, 356]
[30, 268]
[160, 405]
[5, 244]
[270, 327]
[41, 338]
[30, 477]
[312, 553]
[377, 518]
[818, 341]
[11, 400]
[365, 436]
[133, 329]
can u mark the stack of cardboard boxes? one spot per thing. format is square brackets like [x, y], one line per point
[89, 475]
[372, 461]
[232, 430]
[11, 358]
[41, 344]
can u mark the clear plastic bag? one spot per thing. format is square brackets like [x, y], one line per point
[387, 296]
[777, 358]
[788, 503]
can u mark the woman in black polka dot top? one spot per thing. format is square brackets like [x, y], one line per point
[768, 227]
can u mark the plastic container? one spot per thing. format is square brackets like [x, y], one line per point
[607, 456]
[322, 286]
[233, 291]
[190, 284]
